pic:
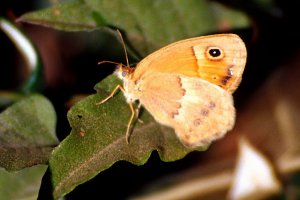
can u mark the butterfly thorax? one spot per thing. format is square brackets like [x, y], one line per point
[132, 87]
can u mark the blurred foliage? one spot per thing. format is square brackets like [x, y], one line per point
[23, 184]
[148, 24]
[27, 133]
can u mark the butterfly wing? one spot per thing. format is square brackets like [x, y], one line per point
[192, 57]
[199, 111]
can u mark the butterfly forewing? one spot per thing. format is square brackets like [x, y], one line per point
[221, 60]
[191, 58]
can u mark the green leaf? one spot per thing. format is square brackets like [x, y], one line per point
[97, 140]
[72, 16]
[149, 24]
[27, 133]
[21, 185]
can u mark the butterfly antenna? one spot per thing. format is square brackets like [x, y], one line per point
[107, 61]
[124, 47]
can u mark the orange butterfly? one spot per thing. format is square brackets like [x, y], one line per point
[188, 86]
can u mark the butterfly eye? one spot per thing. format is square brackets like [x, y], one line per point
[214, 53]
[124, 73]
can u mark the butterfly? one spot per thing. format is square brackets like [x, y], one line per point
[188, 86]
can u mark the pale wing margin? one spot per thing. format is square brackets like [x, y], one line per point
[199, 111]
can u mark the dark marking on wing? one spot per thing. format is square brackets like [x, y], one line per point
[229, 75]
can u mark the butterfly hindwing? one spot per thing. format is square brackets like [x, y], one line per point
[206, 112]
[199, 111]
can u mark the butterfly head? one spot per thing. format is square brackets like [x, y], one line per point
[123, 71]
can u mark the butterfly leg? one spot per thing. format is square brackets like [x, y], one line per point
[111, 94]
[133, 113]
[137, 111]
